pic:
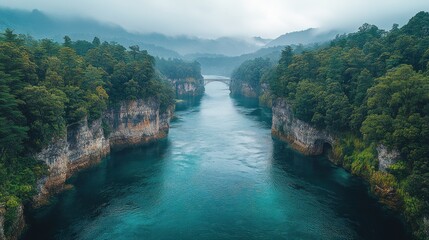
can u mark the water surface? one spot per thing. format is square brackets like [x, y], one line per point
[218, 175]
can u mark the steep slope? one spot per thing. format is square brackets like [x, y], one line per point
[311, 35]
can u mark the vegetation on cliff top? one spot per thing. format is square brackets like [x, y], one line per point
[178, 69]
[370, 87]
[46, 86]
[250, 72]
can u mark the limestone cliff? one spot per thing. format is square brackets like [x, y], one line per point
[131, 123]
[189, 87]
[239, 87]
[83, 145]
[386, 157]
[301, 135]
[311, 141]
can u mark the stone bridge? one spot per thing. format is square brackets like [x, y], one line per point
[227, 81]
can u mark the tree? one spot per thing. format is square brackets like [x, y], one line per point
[82, 47]
[44, 110]
[134, 50]
[71, 66]
[132, 90]
[13, 130]
[17, 66]
[96, 42]
[67, 42]
[11, 37]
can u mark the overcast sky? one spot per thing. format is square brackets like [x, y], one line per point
[215, 18]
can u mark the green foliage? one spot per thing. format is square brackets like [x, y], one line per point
[383, 180]
[45, 113]
[370, 87]
[178, 69]
[251, 72]
[46, 86]
[364, 162]
[399, 170]
[13, 129]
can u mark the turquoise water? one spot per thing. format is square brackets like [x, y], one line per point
[218, 175]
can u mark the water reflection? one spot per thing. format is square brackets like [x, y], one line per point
[121, 175]
[354, 215]
[188, 102]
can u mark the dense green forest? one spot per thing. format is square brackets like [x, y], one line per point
[370, 87]
[46, 86]
[252, 72]
[178, 69]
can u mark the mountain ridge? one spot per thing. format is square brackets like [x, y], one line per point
[41, 25]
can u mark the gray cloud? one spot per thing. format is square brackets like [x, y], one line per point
[207, 18]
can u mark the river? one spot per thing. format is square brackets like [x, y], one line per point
[218, 175]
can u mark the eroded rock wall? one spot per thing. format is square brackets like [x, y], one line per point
[131, 123]
[299, 134]
[189, 87]
[242, 88]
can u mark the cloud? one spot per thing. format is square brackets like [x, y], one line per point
[215, 18]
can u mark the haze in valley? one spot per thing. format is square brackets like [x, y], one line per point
[242, 18]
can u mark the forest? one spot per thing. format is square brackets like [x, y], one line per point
[369, 88]
[178, 69]
[46, 87]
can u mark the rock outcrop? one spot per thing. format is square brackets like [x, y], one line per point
[242, 88]
[299, 134]
[131, 123]
[189, 87]
[386, 157]
[82, 146]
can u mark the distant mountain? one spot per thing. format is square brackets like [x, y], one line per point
[40, 25]
[212, 64]
[309, 36]
[262, 41]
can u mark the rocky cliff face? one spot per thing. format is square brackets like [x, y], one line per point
[386, 157]
[189, 87]
[83, 145]
[242, 88]
[311, 141]
[301, 135]
[132, 123]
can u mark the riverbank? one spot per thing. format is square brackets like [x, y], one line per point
[219, 174]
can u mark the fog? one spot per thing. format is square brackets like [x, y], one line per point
[236, 18]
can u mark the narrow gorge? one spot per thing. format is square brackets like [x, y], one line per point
[218, 174]
[130, 124]
[327, 140]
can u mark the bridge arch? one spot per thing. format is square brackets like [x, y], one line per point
[227, 81]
